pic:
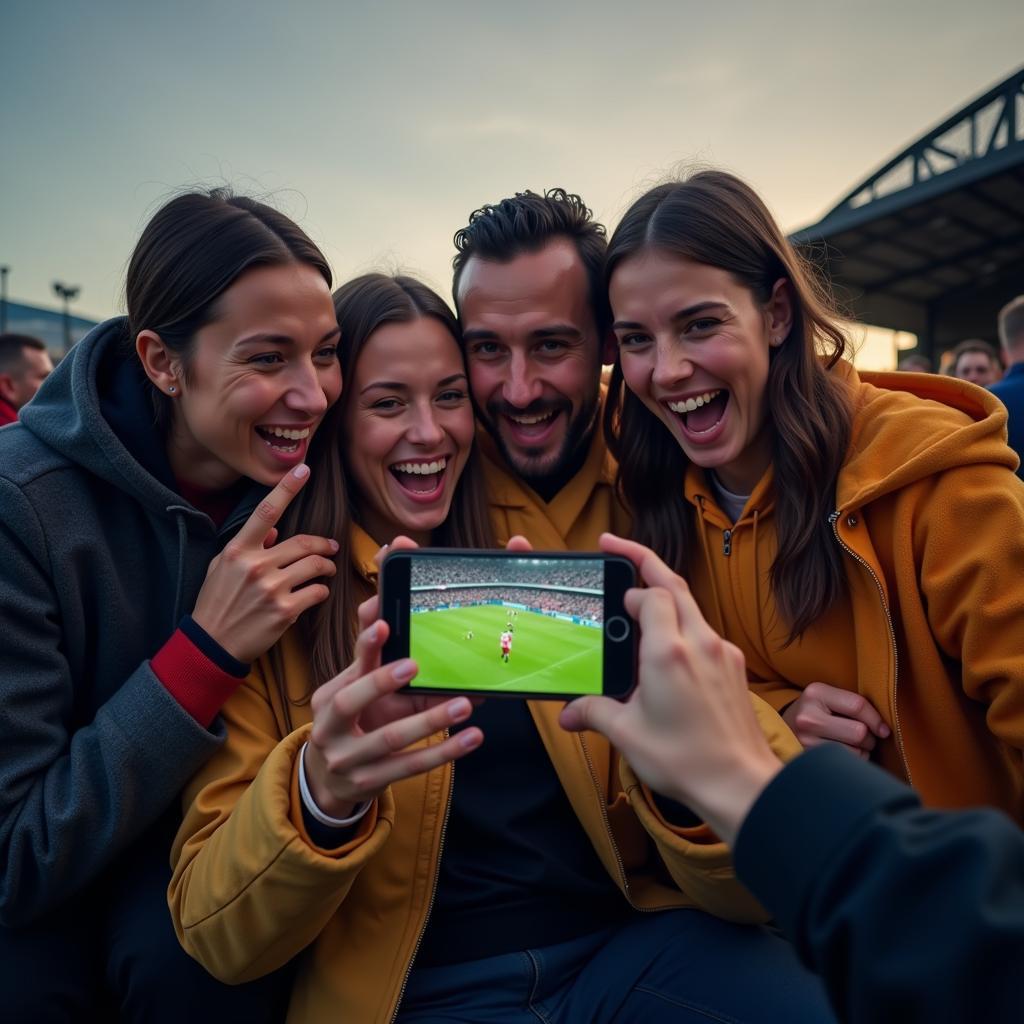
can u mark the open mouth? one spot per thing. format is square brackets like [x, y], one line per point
[421, 478]
[701, 414]
[527, 428]
[286, 440]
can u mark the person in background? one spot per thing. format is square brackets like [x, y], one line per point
[907, 914]
[24, 365]
[141, 573]
[915, 362]
[976, 361]
[1010, 390]
[858, 536]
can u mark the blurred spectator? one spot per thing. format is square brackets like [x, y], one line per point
[977, 361]
[24, 365]
[915, 362]
[1010, 390]
[534, 599]
[453, 570]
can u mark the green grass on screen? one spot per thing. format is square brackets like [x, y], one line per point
[548, 655]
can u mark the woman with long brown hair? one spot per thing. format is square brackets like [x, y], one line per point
[859, 536]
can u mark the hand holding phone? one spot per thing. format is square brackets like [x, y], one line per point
[510, 623]
[364, 733]
[689, 730]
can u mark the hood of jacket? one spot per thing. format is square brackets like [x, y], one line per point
[909, 426]
[94, 410]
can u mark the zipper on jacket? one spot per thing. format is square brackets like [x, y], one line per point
[433, 892]
[602, 804]
[727, 543]
[834, 520]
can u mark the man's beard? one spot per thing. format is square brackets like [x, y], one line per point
[539, 469]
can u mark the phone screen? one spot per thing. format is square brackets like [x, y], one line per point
[524, 624]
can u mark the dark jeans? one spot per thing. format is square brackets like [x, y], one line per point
[111, 955]
[681, 966]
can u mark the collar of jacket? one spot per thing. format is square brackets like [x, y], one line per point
[698, 491]
[507, 490]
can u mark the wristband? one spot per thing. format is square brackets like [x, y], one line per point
[310, 804]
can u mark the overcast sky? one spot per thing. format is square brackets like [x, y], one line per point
[380, 126]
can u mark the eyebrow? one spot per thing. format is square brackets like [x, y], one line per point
[283, 339]
[682, 314]
[397, 385]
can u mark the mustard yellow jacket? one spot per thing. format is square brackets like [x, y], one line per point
[251, 891]
[929, 519]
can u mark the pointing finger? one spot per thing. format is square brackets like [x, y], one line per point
[269, 511]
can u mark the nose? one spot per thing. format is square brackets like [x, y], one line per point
[306, 392]
[671, 366]
[521, 387]
[424, 428]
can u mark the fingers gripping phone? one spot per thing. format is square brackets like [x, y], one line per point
[508, 623]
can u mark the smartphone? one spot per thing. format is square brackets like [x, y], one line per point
[508, 623]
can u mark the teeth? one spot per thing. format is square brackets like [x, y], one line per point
[689, 404]
[421, 468]
[288, 435]
[530, 420]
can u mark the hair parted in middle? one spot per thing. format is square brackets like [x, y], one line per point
[328, 503]
[525, 223]
[716, 219]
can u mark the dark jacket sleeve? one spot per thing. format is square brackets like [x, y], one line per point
[70, 799]
[908, 914]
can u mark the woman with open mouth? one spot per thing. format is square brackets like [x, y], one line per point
[859, 536]
[141, 573]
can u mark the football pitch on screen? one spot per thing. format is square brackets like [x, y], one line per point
[548, 655]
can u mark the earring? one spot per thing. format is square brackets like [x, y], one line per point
[171, 390]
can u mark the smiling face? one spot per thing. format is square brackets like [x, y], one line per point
[261, 376]
[534, 355]
[694, 348]
[409, 428]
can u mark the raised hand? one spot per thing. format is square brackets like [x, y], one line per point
[256, 588]
[363, 730]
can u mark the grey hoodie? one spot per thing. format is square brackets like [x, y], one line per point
[99, 558]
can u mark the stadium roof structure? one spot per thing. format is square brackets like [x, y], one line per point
[933, 241]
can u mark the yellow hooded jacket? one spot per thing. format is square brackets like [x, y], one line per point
[251, 891]
[930, 520]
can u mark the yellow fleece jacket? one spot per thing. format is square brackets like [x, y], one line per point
[251, 891]
[930, 519]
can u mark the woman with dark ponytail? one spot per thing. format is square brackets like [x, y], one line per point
[142, 573]
[859, 536]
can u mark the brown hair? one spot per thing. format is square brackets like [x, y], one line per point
[716, 219]
[192, 250]
[328, 504]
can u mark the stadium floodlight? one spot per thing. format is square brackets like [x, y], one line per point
[67, 293]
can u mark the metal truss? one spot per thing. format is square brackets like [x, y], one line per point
[983, 138]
